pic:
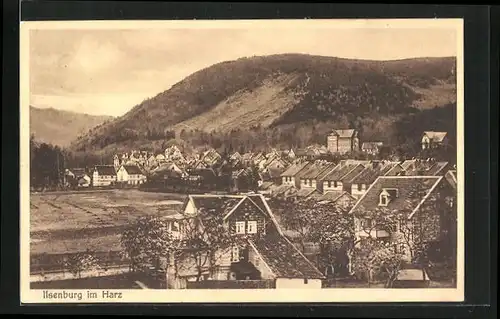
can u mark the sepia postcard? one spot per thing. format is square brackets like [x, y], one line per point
[242, 161]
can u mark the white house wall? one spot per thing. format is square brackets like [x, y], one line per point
[332, 188]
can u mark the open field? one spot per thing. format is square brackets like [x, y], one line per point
[72, 222]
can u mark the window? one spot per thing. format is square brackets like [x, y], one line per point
[252, 227]
[240, 227]
[383, 200]
[235, 254]
[360, 187]
[310, 182]
[305, 281]
[335, 184]
[329, 184]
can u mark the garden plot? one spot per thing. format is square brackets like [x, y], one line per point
[79, 221]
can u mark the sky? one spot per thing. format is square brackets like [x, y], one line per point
[108, 71]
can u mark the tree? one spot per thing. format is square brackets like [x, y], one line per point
[378, 259]
[83, 261]
[147, 242]
[204, 241]
[325, 223]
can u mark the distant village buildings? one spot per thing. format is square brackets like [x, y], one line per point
[104, 175]
[343, 141]
[372, 148]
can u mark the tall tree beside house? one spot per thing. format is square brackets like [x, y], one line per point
[204, 237]
[147, 242]
[377, 259]
[325, 223]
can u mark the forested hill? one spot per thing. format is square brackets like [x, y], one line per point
[293, 98]
[60, 127]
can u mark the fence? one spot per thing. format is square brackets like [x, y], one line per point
[232, 284]
[40, 263]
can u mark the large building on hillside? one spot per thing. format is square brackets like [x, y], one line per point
[343, 141]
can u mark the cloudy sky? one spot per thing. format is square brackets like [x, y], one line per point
[108, 71]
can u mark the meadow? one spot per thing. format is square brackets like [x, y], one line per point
[64, 223]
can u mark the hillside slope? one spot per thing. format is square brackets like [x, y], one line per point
[59, 127]
[280, 91]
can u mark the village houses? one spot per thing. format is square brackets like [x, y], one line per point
[372, 148]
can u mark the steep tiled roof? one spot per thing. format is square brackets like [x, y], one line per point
[313, 170]
[407, 197]
[78, 171]
[105, 169]
[283, 189]
[338, 174]
[331, 196]
[435, 136]
[266, 185]
[284, 259]
[215, 204]
[306, 192]
[352, 174]
[132, 169]
[295, 169]
[436, 169]
[327, 171]
[367, 176]
[408, 163]
[393, 170]
[370, 174]
[275, 172]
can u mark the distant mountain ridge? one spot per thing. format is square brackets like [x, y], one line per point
[283, 91]
[60, 127]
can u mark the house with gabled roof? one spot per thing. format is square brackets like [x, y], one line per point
[424, 205]
[343, 199]
[262, 251]
[291, 176]
[77, 177]
[312, 176]
[361, 182]
[433, 139]
[343, 141]
[333, 180]
[130, 174]
[103, 175]
[236, 158]
[173, 153]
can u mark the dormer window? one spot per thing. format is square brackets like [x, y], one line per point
[384, 198]
[387, 195]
